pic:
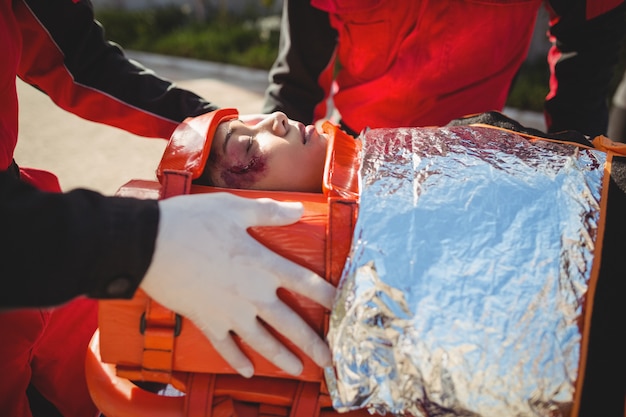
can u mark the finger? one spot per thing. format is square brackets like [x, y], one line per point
[248, 211]
[295, 277]
[231, 353]
[270, 212]
[290, 275]
[261, 340]
[293, 327]
[310, 285]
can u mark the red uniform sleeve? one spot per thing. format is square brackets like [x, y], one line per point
[57, 246]
[66, 55]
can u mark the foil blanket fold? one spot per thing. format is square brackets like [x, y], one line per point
[467, 274]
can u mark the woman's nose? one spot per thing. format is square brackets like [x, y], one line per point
[280, 123]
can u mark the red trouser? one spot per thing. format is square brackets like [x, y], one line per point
[46, 347]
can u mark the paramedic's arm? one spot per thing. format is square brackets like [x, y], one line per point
[58, 246]
[586, 39]
[190, 253]
[307, 44]
[69, 59]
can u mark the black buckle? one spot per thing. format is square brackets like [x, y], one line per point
[178, 320]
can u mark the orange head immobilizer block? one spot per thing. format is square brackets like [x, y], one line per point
[140, 340]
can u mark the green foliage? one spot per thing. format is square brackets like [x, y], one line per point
[245, 40]
[139, 27]
[221, 37]
[530, 86]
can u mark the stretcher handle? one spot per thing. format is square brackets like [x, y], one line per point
[118, 397]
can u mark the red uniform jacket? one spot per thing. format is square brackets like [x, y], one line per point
[56, 246]
[425, 62]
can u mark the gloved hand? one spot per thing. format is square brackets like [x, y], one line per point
[207, 268]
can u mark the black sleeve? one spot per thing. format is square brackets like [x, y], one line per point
[585, 53]
[307, 45]
[57, 246]
[67, 56]
[617, 116]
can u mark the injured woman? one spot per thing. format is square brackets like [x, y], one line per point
[266, 152]
[483, 276]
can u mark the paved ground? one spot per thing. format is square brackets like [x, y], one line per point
[102, 158]
[91, 155]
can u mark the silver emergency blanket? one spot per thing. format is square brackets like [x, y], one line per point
[467, 274]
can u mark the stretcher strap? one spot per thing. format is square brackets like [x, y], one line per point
[306, 401]
[159, 326]
[269, 410]
[175, 182]
[209, 396]
[199, 398]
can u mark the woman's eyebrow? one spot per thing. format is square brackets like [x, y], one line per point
[229, 134]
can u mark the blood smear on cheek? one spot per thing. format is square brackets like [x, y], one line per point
[246, 179]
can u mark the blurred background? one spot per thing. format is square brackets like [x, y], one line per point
[220, 49]
[245, 33]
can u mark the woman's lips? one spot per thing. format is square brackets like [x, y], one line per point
[307, 132]
[310, 131]
[303, 133]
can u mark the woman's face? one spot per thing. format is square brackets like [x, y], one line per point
[269, 153]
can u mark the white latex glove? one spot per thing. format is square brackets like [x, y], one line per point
[207, 268]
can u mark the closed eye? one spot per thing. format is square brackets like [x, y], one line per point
[234, 128]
